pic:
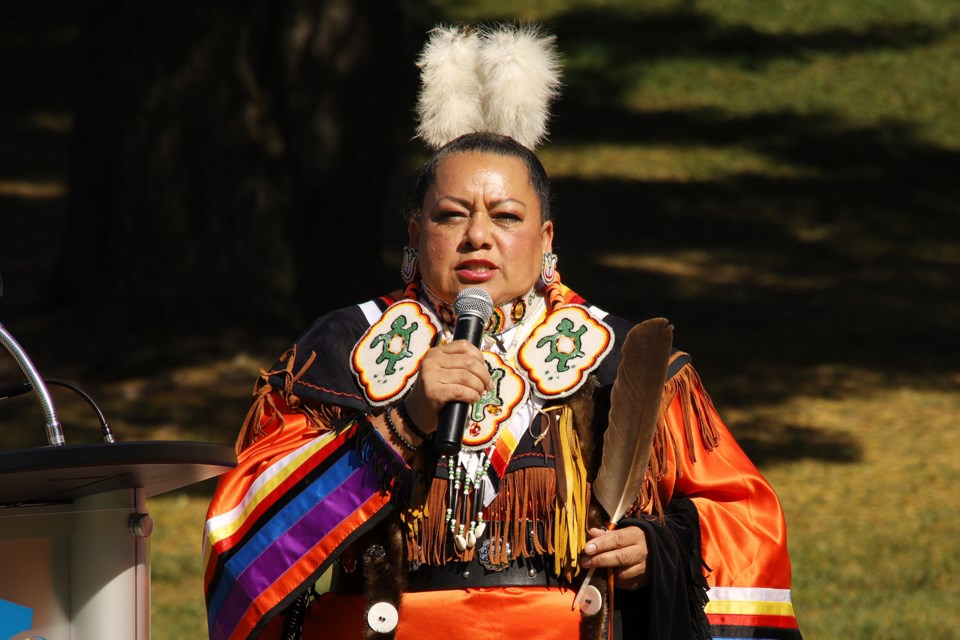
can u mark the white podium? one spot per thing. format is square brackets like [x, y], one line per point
[74, 532]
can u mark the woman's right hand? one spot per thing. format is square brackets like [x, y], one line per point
[452, 372]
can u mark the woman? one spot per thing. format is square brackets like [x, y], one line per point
[482, 219]
[342, 521]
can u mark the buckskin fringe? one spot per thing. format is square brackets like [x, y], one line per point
[521, 514]
[699, 420]
[426, 529]
[524, 503]
[571, 497]
[522, 490]
[699, 416]
[263, 395]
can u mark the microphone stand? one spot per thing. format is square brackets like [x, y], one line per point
[54, 431]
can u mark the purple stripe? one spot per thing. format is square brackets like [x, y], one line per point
[297, 541]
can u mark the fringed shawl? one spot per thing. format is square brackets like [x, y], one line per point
[312, 385]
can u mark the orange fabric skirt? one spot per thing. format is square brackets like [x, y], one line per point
[507, 613]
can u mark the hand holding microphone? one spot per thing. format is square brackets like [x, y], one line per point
[473, 307]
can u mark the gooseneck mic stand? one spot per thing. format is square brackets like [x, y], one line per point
[54, 430]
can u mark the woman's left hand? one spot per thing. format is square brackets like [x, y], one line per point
[625, 550]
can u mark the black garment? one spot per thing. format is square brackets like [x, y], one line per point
[671, 606]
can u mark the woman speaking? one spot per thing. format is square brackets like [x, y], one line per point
[346, 518]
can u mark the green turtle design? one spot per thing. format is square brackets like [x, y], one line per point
[564, 344]
[396, 343]
[490, 398]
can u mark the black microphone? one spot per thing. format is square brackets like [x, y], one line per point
[473, 307]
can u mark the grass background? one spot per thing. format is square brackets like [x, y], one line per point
[780, 179]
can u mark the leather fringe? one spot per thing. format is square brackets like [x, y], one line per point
[570, 519]
[265, 395]
[524, 512]
[521, 515]
[698, 412]
[428, 540]
[699, 420]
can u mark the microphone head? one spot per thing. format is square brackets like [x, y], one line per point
[474, 301]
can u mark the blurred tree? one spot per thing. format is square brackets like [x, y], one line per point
[234, 158]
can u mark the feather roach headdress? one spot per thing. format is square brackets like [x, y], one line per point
[500, 79]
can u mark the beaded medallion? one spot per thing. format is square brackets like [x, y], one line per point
[491, 412]
[387, 357]
[563, 350]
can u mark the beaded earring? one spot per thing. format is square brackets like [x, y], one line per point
[408, 268]
[548, 270]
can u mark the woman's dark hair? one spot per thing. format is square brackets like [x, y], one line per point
[484, 142]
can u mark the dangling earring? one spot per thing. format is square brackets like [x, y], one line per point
[408, 268]
[548, 270]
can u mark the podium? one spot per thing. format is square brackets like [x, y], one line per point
[74, 532]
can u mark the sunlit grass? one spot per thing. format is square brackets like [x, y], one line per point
[177, 607]
[32, 189]
[875, 541]
[662, 163]
[776, 88]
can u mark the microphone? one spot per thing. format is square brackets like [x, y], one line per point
[473, 307]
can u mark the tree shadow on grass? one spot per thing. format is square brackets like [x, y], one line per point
[778, 284]
[630, 40]
[766, 443]
[849, 262]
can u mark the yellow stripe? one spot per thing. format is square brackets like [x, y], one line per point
[227, 530]
[507, 439]
[207, 550]
[749, 608]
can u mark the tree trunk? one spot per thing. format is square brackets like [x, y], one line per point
[232, 160]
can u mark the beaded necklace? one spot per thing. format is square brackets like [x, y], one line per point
[469, 485]
[503, 318]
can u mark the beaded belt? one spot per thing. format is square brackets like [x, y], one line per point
[523, 572]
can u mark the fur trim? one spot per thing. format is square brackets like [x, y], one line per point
[521, 76]
[383, 571]
[500, 79]
[449, 102]
[582, 405]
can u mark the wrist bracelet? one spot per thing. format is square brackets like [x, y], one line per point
[405, 416]
[396, 432]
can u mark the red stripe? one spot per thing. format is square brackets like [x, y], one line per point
[330, 391]
[267, 501]
[303, 569]
[271, 498]
[739, 620]
[500, 457]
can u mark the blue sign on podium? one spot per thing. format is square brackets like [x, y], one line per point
[14, 619]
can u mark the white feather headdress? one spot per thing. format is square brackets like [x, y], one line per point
[500, 79]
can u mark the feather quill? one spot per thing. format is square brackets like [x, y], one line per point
[632, 421]
[449, 103]
[520, 71]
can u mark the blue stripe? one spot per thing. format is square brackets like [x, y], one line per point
[308, 498]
